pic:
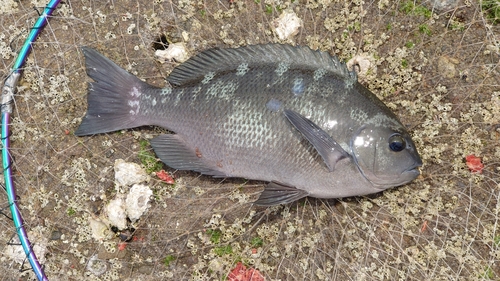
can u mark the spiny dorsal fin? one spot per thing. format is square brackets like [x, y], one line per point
[222, 60]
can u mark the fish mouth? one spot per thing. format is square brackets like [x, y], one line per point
[415, 172]
[415, 167]
[412, 172]
[405, 177]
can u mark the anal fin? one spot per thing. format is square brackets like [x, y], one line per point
[173, 150]
[276, 193]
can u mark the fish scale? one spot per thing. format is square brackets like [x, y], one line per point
[288, 115]
[244, 133]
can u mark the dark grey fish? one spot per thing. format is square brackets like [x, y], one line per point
[288, 115]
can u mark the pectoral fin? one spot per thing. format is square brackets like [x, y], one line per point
[276, 193]
[327, 147]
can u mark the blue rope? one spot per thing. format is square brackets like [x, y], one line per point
[7, 99]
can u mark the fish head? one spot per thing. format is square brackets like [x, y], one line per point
[385, 156]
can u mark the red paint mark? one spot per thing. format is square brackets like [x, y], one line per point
[242, 273]
[474, 164]
[254, 251]
[164, 176]
[66, 132]
[121, 246]
[198, 152]
[135, 239]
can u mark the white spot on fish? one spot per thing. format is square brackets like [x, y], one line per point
[242, 69]
[163, 101]
[345, 146]
[349, 83]
[165, 91]
[282, 68]
[240, 122]
[196, 90]
[135, 92]
[222, 90]
[208, 77]
[359, 115]
[319, 73]
[153, 102]
[134, 106]
[361, 141]
[330, 124]
[298, 87]
[178, 97]
[383, 120]
[274, 105]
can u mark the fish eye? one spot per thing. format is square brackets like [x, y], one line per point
[397, 143]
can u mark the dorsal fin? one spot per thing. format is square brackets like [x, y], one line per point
[223, 60]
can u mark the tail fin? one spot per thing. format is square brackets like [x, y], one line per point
[113, 99]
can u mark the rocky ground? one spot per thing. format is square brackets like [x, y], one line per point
[435, 63]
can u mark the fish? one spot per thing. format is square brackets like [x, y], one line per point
[291, 116]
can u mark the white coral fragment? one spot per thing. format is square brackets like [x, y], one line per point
[287, 25]
[100, 230]
[175, 51]
[362, 64]
[115, 211]
[127, 173]
[127, 203]
[15, 251]
[137, 201]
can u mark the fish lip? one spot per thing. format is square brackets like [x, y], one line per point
[413, 171]
[415, 167]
